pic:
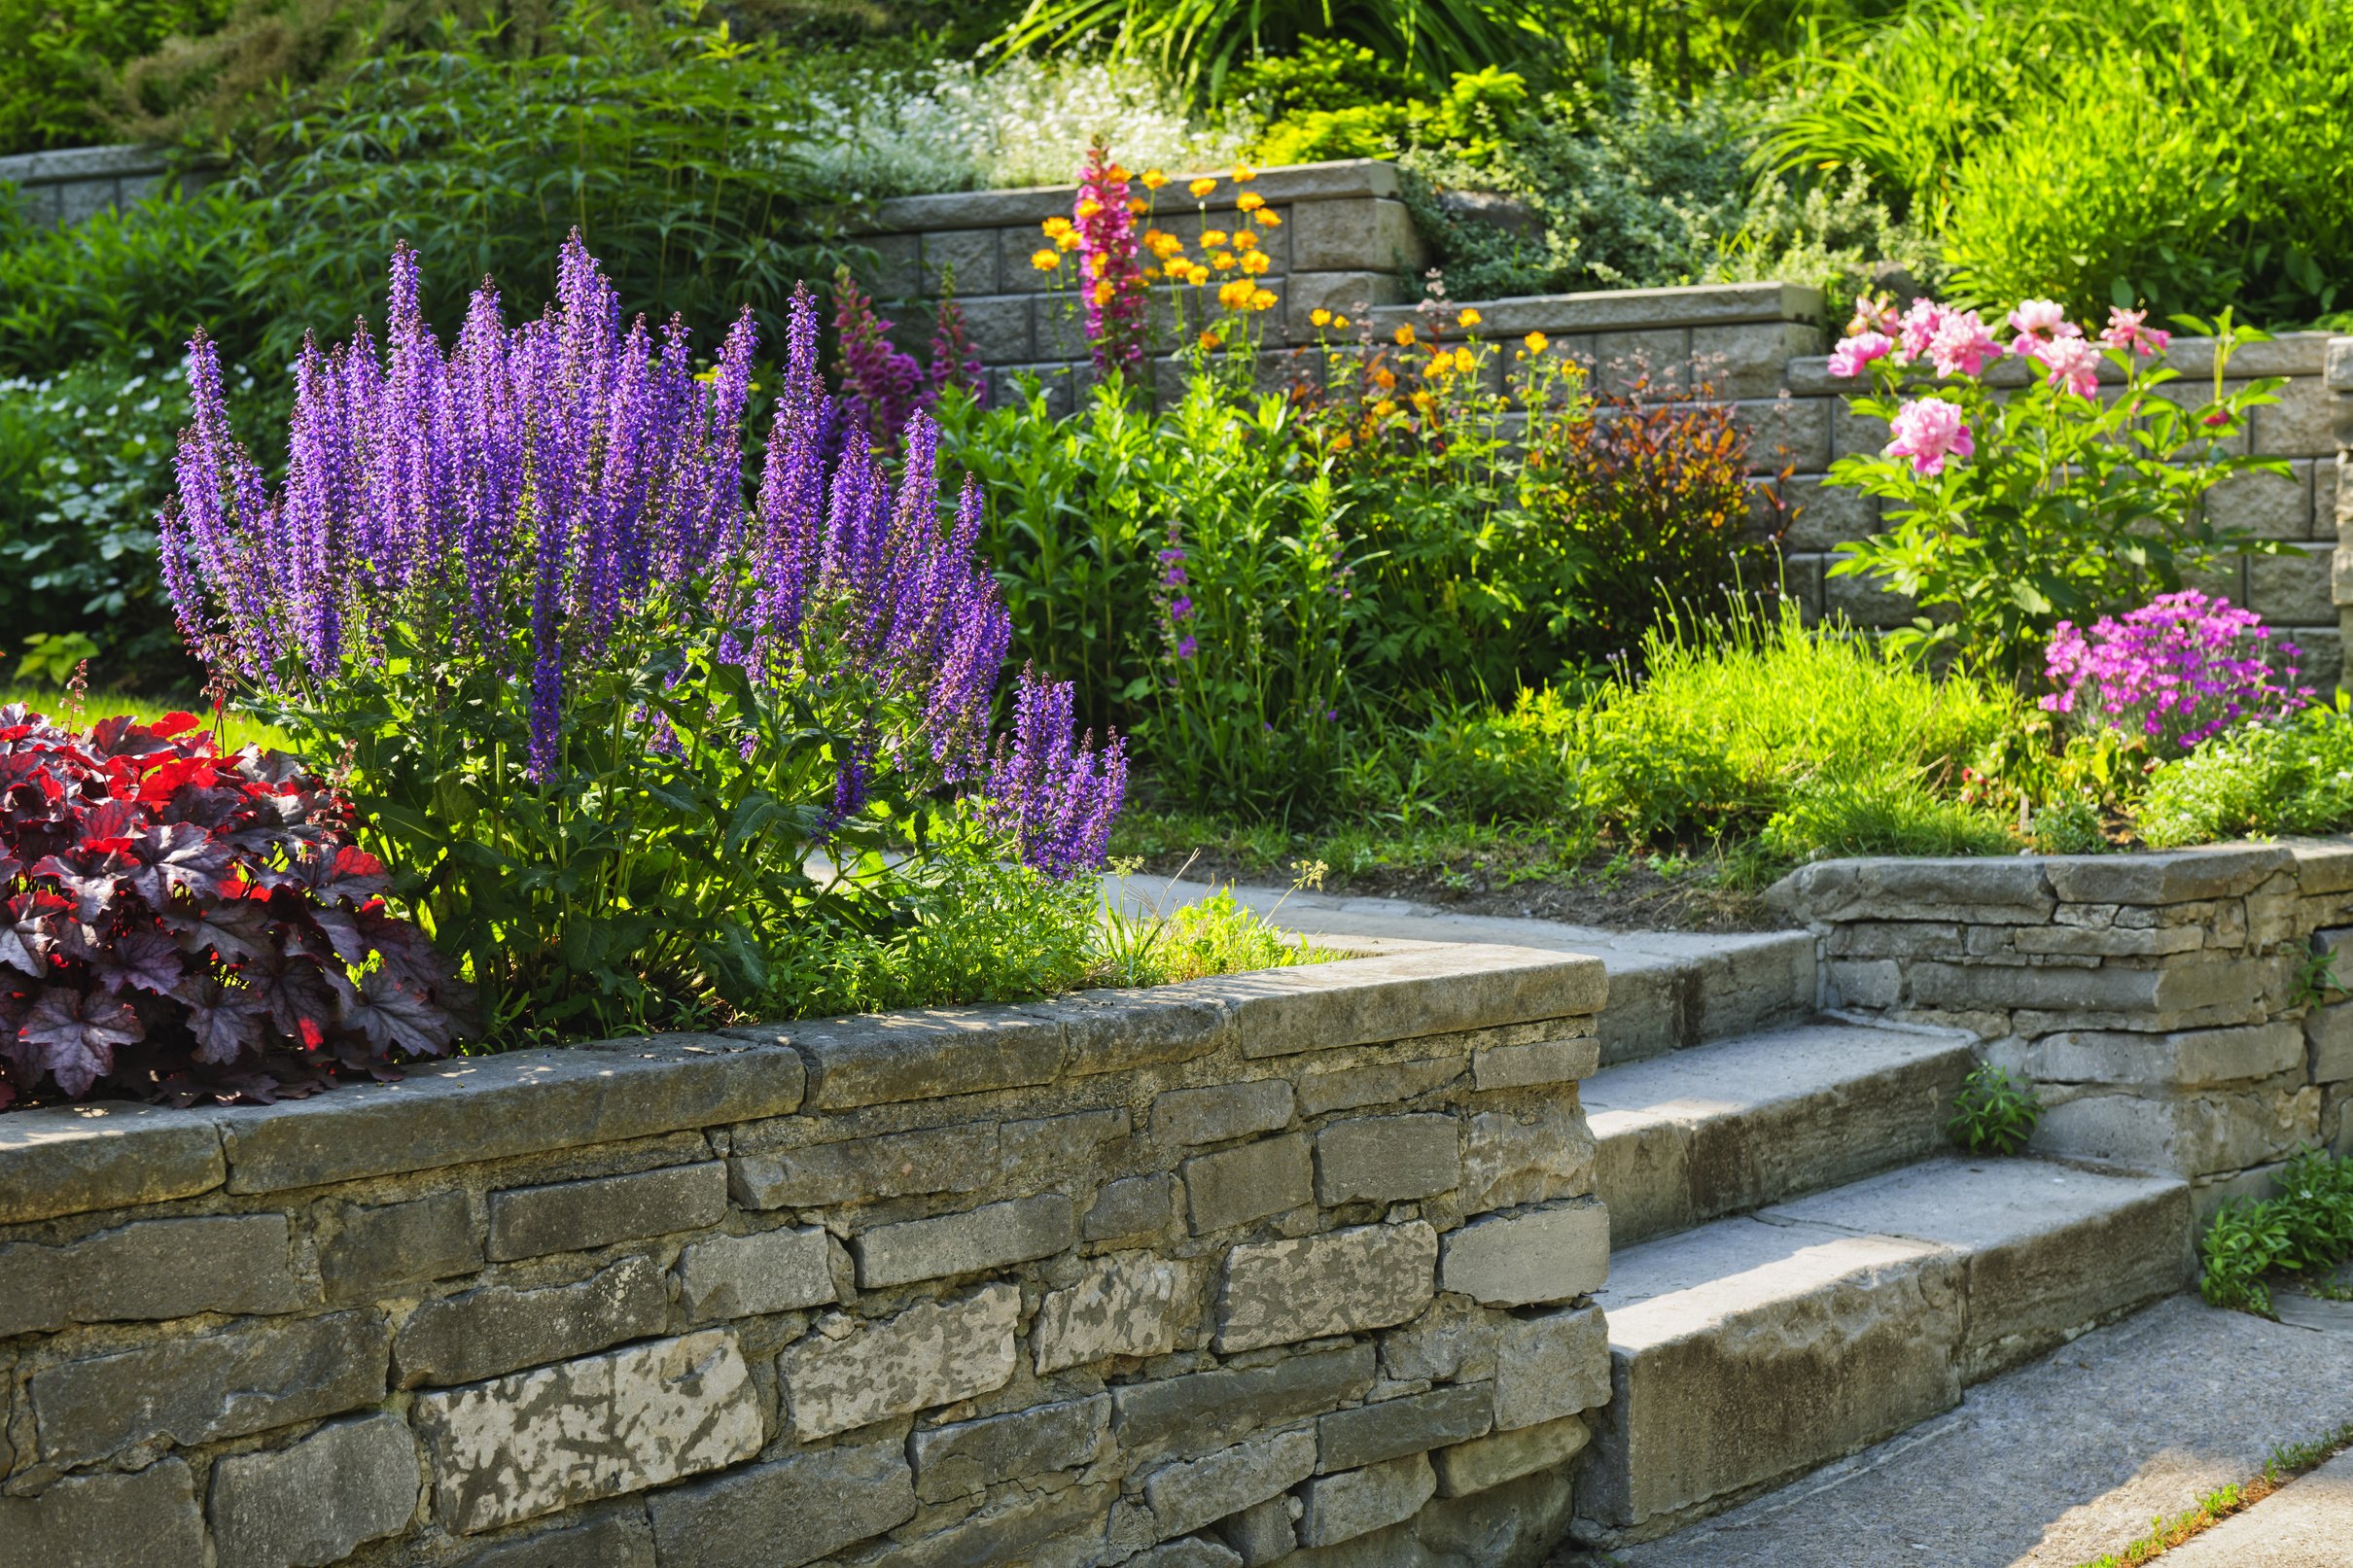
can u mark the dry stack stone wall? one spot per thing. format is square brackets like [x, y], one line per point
[2169, 1007]
[1201, 1275]
[73, 183]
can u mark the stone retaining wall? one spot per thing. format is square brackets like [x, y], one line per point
[1191, 1276]
[73, 182]
[2167, 1006]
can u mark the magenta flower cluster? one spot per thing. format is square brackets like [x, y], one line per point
[567, 497]
[1111, 267]
[2180, 669]
[883, 387]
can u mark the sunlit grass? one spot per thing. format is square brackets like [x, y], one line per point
[236, 729]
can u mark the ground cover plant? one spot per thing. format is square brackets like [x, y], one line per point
[1994, 1113]
[2305, 1228]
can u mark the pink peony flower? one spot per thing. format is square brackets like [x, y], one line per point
[2040, 320]
[1853, 353]
[1873, 313]
[1962, 346]
[2071, 363]
[1928, 432]
[1919, 327]
[2125, 331]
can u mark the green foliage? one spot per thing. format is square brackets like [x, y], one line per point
[1213, 936]
[2293, 777]
[59, 55]
[1994, 1113]
[2071, 507]
[1335, 100]
[2184, 153]
[2306, 1226]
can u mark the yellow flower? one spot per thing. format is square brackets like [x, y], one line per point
[1343, 442]
[1097, 263]
[1235, 294]
[1212, 238]
[1441, 363]
[1384, 377]
[1115, 174]
[1384, 408]
[1340, 322]
[1464, 361]
[1103, 291]
[1068, 239]
[1202, 186]
[1198, 276]
[1153, 179]
[1244, 174]
[1244, 240]
[1224, 262]
[1264, 299]
[1045, 260]
[1405, 337]
[1088, 207]
[1267, 218]
[1249, 201]
[1256, 262]
[1536, 343]
[1469, 318]
[1150, 273]
[1424, 402]
[1056, 228]
[1139, 206]
[1319, 317]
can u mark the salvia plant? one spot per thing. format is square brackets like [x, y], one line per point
[2180, 669]
[623, 729]
[2047, 476]
[177, 923]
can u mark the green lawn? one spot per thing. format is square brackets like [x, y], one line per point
[236, 729]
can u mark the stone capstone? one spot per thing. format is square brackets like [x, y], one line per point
[315, 1500]
[1235, 1186]
[497, 1329]
[1386, 1159]
[574, 1217]
[851, 1373]
[786, 1514]
[379, 1246]
[1184, 1497]
[1540, 1255]
[146, 1519]
[1128, 1304]
[526, 1444]
[148, 1270]
[972, 1456]
[748, 1276]
[1392, 1428]
[979, 1241]
[1367, 1276]
[1358, 1501]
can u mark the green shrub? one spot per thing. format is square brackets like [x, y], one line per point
[60, 56]
[2292, 777]
[2306, 1226]
[1994, 1113]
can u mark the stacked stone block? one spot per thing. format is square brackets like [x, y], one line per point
[2332, 485]
[1236, 1271]
[2173, 1009]
[66, 185]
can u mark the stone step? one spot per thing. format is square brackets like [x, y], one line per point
[1723, 1128]
[1751, 1350]
[1668, 989]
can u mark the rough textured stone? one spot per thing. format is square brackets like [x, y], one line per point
[2189, 1136]
[786, 1514]
[527, 1445]
[147, 1519]
[994, 1237]
[1007, 1531]
[1195, 1413]
[1989, 891]
[150, 1268]
[379, 1245]
[1117, 1030]
[972, 1456]
[1132, 1205]
[1184, 1497]
[1324, 1006]
[1540, 1062]
[1051, 1146]
[2330, 1032]
[497, 1329]
[2189, 1058]
[73, 1159]
[1130, 1304]
[1358, 1501]
[315, 1500]
[1392, 1428]
[849, 1375]
[494, 1107]
[746, 1276]
[1454, 1341]
[210, 1385]
[924, 1053]
[934, 1160]
[1262, 1533]
[1540, 1255]
[1489, 1461]
[2174, 987]
[1235, 1186]
[1190, 1553]
[1367, 1276]
[1526, 1156]
[573, 1216]
[1394, 1084]
[616, 1540]
[1386, 1159]
[1550, 1366]
[1217, 1112]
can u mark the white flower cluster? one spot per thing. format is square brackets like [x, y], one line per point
[1026, 122]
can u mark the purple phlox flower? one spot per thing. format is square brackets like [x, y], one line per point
[2180, 669]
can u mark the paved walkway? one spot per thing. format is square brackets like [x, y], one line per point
[2071, 1456]
[2308, 1523]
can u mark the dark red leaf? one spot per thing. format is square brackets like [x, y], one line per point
[180, 855]
[76, 1035]
[225, 1020]
[148, 961]
[233, 928]
[303, 998]
[125, 736]
[176, 723]
[394, 1018]
[342, 872]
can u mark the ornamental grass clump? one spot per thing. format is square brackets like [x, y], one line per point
[625, 731]
[177, 924]
[2180, 671]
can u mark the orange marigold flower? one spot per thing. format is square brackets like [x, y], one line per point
[1198, 276]
[1256, 262]
[1139, 206]
[1404, 336]
[1343, 442]
[1088, 207]
[1244, 174]
[1249, 201]
[1264, 299]
[1202, 186]
[1103, 291]
[1212, 238]
[1469, 318]
[1153, 179]
[1267, 218]
[1384, 408]
[1244, 240]
[1045, 260]
[1056, 228]
[1224, 262]
[1210, 338]
[1068, 239]
[1384, 377]
[1466, 362]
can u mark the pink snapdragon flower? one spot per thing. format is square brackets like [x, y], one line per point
[2125, 331]
[1853, 353]
[2072, 363]
[1928, 432]
[1961, 345]
[2039, 321]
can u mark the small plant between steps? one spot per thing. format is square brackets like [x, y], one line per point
[1994, 1113]
[2306, 1229]
[2288, 1461]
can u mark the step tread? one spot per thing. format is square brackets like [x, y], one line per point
[1730, 1076]
[1973, 1204]
[1687, 1283]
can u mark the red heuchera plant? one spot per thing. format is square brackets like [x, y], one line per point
[176, 924]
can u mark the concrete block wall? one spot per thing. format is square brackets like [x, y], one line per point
[73, 182]
[1292, 1262]
[2164, 1004]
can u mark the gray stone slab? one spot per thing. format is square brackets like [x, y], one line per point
[1367, 1276]
[1127, 1304]
[932, 1160]
[786, 1514]
[73, 1159]
[2060, 1461]
[151, 1269]
[1197, 1412]
[972, 1456]
[1132, 1207]
[1216, 1112]
[573, 1216]
[1386, 1159]
[314, 1502]
[1247, 1182]
[1358, 1501]
[1537, 1255]
[850, 1374]
[995, 1236]
[616, 1540]
[497, 1329]
[1392, 1428]
[1184, 1497]
[494, 1107]
[145, 1520]
[379, 1245]
[921, 1054]
[778, 1271]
